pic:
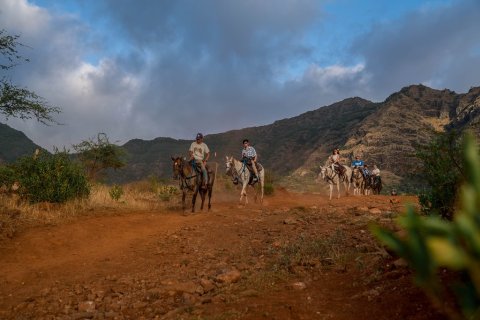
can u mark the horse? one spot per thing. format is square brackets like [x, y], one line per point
[368, 184]
[238, 169]
[376, 184]
[332, 177]
[191, 180]
[358, 181]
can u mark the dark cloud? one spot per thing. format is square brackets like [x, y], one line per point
[434, 46]
[175, 67]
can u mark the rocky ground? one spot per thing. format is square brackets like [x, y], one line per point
[299, 256]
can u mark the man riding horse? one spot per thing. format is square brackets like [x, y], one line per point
[249, 157]
[199, 152]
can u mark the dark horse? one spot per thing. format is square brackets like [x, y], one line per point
[376, 184]
[191, 180]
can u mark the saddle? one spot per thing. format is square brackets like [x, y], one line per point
[198, 170]
[339, 169]
[249, 165]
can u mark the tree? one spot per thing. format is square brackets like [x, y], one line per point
[98, 155]
[19, 102]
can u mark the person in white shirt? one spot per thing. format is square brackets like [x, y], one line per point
[199, 152]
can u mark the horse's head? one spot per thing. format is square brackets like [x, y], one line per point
[356, 172]
[323, 171]
[229, 165]
[177, 166]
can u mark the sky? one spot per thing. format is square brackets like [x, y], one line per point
[172, 68]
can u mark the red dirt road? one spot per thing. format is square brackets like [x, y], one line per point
[254, 262]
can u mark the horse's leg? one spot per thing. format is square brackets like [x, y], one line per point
[210, 190]
[194, 197]
[331, 190]
[184, 194]
[261, 190]
[203, 193]
[338, 189]
[244, 192]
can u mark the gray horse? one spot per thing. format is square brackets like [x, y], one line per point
[236, 168]
[332, 177]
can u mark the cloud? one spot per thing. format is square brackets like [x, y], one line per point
[435, 46]
[173, 68]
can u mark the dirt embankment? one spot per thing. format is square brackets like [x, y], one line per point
[298, 256]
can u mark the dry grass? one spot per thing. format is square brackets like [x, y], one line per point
[141, 196]
[16, 213]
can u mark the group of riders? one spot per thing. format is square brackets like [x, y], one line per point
[371, 177]
[200, 153]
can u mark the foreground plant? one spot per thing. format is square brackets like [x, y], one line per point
[432, 243]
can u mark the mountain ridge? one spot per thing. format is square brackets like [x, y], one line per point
[383, 133]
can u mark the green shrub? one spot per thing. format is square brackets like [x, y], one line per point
[268, 189]
[270, 178]
[8, 177]
[116, 192]
[432, 243]
[165, 192]
[442, 170]
[51, 177]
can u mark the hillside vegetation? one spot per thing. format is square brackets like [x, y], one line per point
[386, 134]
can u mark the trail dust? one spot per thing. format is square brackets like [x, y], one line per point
[297, 256]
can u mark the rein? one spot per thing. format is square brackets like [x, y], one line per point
[184, 178]
[328, 177]
[234, 171]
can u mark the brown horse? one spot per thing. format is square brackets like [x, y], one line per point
[191, 180]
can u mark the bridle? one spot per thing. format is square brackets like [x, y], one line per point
[232, 170]
[327, 177]
[179, 173]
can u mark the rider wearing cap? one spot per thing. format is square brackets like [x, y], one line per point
[249, 153]
[200, 153]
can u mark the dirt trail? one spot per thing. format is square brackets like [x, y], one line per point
[225, 264]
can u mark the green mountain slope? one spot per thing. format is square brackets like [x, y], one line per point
[14, 144]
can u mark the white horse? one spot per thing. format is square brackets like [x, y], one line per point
[238, 169]
[333, 178]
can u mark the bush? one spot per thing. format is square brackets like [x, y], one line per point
[432, 243]
[116, 192]
[269, 181]
[51, 177]
[442, 169]
[8, 177]
[165, 193]
[268, 189]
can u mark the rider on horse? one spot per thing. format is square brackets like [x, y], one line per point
[200, 153]
[335, 162]
[357, 163]
[249, 157]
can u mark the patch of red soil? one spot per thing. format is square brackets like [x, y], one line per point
[220, 265]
